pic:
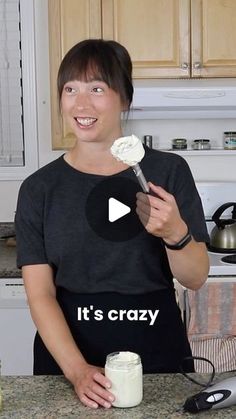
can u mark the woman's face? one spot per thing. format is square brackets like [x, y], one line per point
[92, 110]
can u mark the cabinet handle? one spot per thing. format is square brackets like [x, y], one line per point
[197, 65]
[184, 66]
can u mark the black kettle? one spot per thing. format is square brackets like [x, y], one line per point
[223, 235]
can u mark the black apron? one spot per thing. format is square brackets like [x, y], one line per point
[161, 346]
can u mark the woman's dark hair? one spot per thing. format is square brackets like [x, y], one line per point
[98, 59]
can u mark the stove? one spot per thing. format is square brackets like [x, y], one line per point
[213, 195]
[218, 267]
[229, 258]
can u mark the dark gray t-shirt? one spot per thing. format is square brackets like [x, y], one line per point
[52, 228]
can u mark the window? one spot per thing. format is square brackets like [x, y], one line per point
[11, 101]
[18, 127]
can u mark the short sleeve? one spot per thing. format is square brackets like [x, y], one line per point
[29, 225]
[189, 201]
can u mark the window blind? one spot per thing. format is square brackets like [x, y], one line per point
[11, 101]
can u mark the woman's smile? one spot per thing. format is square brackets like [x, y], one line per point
[85, 122]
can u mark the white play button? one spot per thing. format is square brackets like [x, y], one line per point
[116, 209]
[114, 218]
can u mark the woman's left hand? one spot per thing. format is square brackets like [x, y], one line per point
[160, 214]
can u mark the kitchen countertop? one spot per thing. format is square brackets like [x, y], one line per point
[7, 229]
[8, 268]
[52, 397]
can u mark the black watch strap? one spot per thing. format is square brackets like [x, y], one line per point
[181, 244]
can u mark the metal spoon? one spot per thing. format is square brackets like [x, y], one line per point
[141, 178]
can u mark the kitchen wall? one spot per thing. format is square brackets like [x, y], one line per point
[204, 168]
[164, 131]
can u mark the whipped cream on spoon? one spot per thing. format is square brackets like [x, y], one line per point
[130, 151]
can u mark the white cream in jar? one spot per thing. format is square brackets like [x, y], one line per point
[124, 369]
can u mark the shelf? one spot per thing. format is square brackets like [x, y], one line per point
[211, 152]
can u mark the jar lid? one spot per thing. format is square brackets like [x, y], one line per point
[179, 140]
[202, 140]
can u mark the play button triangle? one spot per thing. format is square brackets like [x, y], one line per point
[116, 209]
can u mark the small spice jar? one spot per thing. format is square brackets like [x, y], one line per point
[147, 139]
[124, 369]
[230, 140]
[201, 144]
[179, 144]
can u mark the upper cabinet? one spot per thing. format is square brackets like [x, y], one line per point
[69, 22]
[165, 38]
[155, 32]
[174, 38]
[213, 38]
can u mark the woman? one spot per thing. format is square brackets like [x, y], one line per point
[73, 276]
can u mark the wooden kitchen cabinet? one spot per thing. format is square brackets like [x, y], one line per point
[165, 38]
[155, 32]
[174, 38]
[213, 35]
[69, 22]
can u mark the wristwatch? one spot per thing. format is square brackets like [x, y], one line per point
[181, 244]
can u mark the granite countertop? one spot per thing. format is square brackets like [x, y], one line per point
[52, 397]
[8, 268]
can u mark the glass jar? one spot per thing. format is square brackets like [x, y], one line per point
[230, 140]
[201, 144]
[147, 139]
[179, 144]
[124, 369]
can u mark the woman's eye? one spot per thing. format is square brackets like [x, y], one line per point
[97, 89]
[69, 89]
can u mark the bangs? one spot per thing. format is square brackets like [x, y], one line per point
[90, 69]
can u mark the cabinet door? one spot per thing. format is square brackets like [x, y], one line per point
[69, 22]
[155, 32]
[213, 33]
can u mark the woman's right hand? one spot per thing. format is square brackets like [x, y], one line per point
[92, 386]
[89, 382]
